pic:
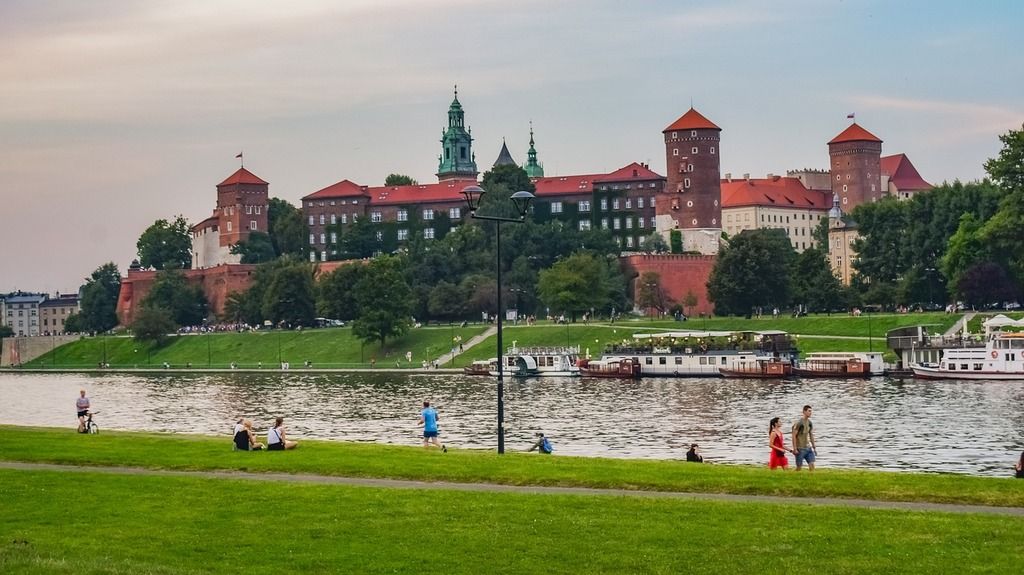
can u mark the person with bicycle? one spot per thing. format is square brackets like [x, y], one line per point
[83, 410]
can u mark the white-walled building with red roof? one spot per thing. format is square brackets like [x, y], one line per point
[774, 202]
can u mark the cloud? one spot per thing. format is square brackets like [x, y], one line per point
[966, 118]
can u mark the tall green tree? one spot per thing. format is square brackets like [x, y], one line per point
[1007, 169]
[650, 294]
[385, 301]
[656, 244]
[186, 303]
[99, 298]
[166, 245]
[287, 230]
[581, 282]
[814, 284]
[986, 283]
[153, 325]
[753, 270]
[256, 249]
[336, 292]
[447, 301]
[399, 180]
[289, 296]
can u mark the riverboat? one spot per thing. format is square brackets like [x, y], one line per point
[540, 361]
[840, 364]
[1002, 358]
[764, 368]
[611, 367]
[481, 367]
[701, 353]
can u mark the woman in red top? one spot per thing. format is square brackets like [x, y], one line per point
[777, 445]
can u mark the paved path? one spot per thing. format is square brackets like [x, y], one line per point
[531, 489]
[444, 359]
[961, 324]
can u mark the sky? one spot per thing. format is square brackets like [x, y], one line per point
[116, 113]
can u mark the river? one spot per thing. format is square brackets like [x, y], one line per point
[956, 426]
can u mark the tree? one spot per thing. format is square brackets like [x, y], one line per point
[153, 325]
[384, 299]
[7, 331]
[447, 301]
[289, 296]
[814, 284]
[881, 247]
[966, 249]
[74, 324]
[690, 301]
[185, 303]
[359, 240]
[99, 298]
[675, 240]
[986, 283]
[166, 245]
[655, 244]
[753, 270]
[649, 292]
[1008, 168]
[580, 282]
[335, 292]
[287, 230]
[258, 248]
[399, 180]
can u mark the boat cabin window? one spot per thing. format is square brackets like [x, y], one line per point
[952, 367]
[723, 360]
[963, 366]
[703, 360]
[649, 360]
[1017, 343]
[679, 360]
[977, 367]
[661, 361]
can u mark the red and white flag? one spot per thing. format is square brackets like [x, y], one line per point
[240, 153]
[850, 115]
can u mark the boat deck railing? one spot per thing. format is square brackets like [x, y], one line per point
[545, 350]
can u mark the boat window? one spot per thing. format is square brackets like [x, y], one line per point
[977, 367]
[679, 360]
[1017, 343]
[703, 360]
[649, 360]
[963, 366]
[661, 361]
[952, 367]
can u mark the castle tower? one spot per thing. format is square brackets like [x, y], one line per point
[504, 157]
[692, 199]
[855, 160]
[457, 160]
[533, 168]
[242, 205]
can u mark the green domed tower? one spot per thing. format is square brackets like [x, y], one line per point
[532, 167]
[457, 160]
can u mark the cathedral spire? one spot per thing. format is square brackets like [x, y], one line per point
[457, 159]
[533, 168]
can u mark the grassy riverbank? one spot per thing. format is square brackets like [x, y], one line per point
[56, 523]
[338, 348]
[189, 452]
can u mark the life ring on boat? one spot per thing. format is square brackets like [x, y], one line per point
[995, 354]
[676, 372]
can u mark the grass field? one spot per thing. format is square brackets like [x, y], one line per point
[54, 523]
[189, 452]
[339, 348]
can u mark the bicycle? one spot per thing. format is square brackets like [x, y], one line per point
[90, 425]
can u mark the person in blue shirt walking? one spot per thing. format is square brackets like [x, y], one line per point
[428, 419]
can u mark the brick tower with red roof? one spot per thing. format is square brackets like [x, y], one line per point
[692, 199]
[855, 158]
[242, 204]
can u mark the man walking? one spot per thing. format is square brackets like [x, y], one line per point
[803, 440]
[428, 419]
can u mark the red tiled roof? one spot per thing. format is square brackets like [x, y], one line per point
[342, 189]
[782, 192]
[692, 120]
[854, 134]
[634, 171]
[903, 174]
[207, 223]
[242, 176]
[566, 185]
[448, 191]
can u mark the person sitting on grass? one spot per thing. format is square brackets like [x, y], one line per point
[276, 437]
[1019, 468]
[542, 445]
[693, 455]
[245, 439]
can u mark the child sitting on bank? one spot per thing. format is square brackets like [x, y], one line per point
[542, 445]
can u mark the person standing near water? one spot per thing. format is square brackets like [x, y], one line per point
[803, 440]
[428, 419]
[82, 405]
[776, 445]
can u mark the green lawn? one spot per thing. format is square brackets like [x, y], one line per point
[974, 326]
[190, 452]
[335, 347]
[58, 523]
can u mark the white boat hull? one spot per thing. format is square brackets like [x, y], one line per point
[923, 372]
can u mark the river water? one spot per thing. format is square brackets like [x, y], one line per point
[958, 426]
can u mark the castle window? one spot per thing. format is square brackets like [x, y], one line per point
[689, 203]
[714, 221]
[252, 225]
[652, 201]
[616, 223]
[584, 225]
[604, 205]
[312, 256]
[640, 203]
[640, 241]
[629, 241]
[629, 203]
[694, 150]
[428, 214]
[693, 133]
[844, 203]
[652, 222]
[844, 189]
[454, 213]
[604, 223]
[712, 149]
[428, 233]
[403, 215]
[321, 219]
[323, 239]
[629, 223]
[334, 219]
[686, 182]
[694, 221]
[556, 207]
[847, 176]
[344, 218]
[838, 177]
[332, 202]
[675, 151]
[310, 220]
[312, 239]
[403, 235]
[675, 135]
[640, 222]
[375, 217]
[334, 237]
[689, 167]
[584, 205]
[380, 236]
[615, 204]
[462, 152]
[229, 225]
[447, 153]
[248, 210]
[323, 256]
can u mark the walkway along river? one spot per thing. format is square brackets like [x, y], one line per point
[960, 427]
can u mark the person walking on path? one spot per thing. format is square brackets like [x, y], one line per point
[803, 440]
[428, 419]
[776, 445]
[82, 405]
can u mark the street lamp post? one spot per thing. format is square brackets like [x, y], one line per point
[521, 200]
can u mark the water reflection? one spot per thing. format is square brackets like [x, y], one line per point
[964, 427]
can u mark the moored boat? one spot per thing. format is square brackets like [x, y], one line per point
[481, 367]
[1002, 358]
[611, 367]
[540, 361]
[701, 353]
[764, 368]
[840, 364]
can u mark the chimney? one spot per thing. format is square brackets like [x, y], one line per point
[771, 176]
[746, 177]
[728, 176]
[776, 178]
